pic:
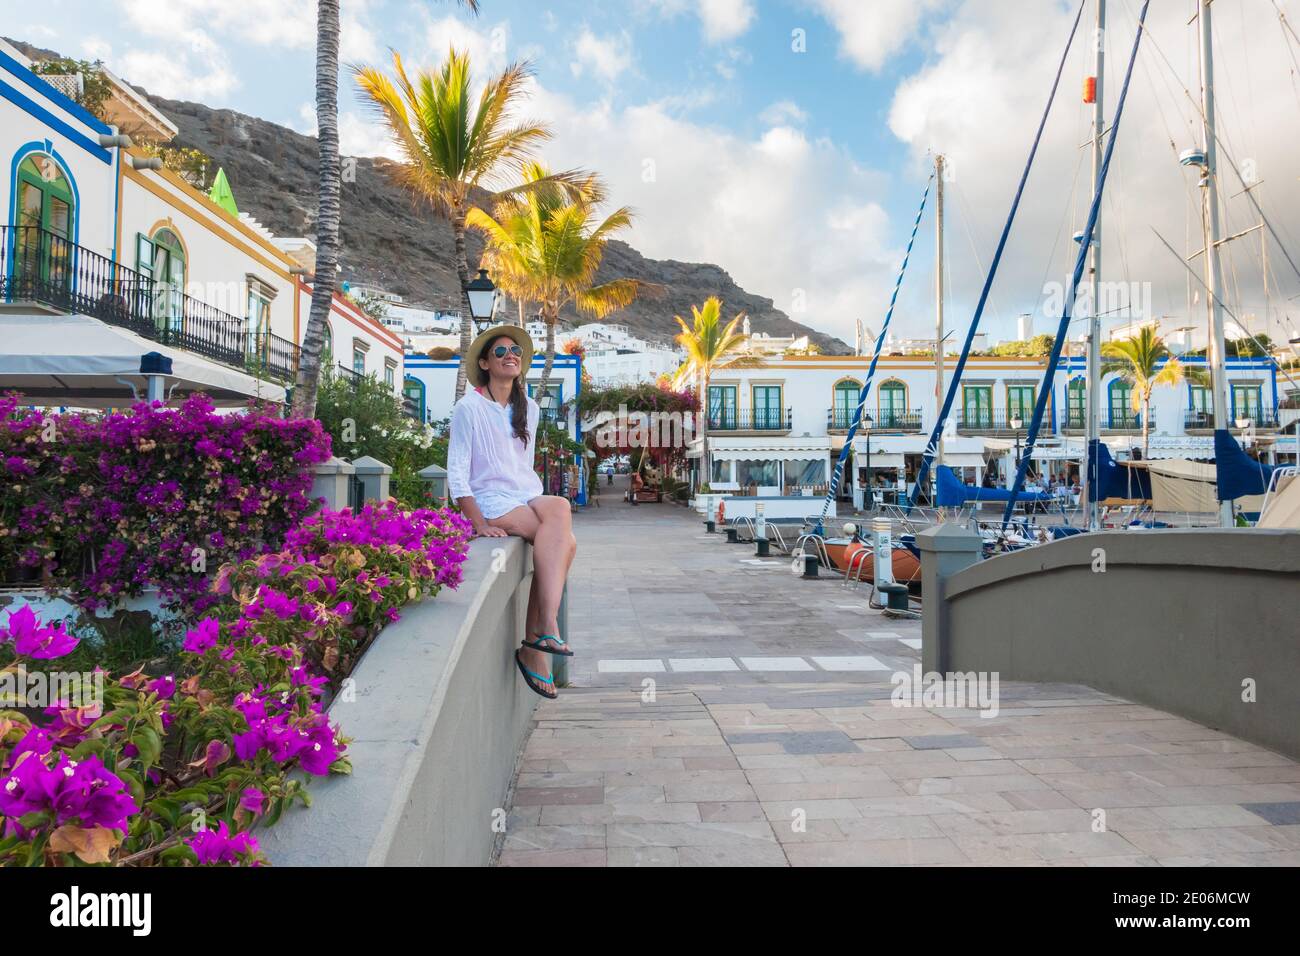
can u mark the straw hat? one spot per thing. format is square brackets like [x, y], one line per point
[477, 347]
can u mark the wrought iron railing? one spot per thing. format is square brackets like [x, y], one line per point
[890, 419]
[44, 268]
[1259, 417]
[755, 420]
[993, 419]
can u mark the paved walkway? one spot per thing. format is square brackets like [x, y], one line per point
[725, 712]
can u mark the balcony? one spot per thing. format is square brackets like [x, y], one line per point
[42, 270]
[893, 420]
[762, 420]
[991, 420]
[1112, 420]
[1195, 420]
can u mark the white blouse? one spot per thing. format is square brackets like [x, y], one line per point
[484, 458]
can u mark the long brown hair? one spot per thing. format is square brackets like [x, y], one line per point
[518, 397]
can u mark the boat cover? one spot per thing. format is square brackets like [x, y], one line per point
[953, 492]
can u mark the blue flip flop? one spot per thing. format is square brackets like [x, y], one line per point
[554, 638]
[530, 677]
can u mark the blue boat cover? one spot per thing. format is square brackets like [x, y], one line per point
[1238, 473]
[1118, 481]
[953, 492]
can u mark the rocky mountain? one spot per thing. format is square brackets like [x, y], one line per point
[389, 239]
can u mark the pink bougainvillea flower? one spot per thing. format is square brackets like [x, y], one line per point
[31, 639]
[252, 800]
[214, 847]
[164, 687]
[199, 639]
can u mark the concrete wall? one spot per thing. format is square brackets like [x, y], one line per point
[1178, 620]
[439, 717]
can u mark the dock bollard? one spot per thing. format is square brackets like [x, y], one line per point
[710, 527]
[731, 536]
[810, 565]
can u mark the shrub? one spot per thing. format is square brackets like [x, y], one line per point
[103, 507]
[182, 768]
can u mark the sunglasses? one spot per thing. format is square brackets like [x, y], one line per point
[501, 350]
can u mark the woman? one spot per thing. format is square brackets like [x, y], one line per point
[490, 475]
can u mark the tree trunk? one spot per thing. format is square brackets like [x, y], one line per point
[327, 212]
[705, 466]
[550, 316]
[1146, 426]
[466, 317]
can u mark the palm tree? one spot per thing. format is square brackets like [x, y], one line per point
[1138, 360]
[452, 147]
[707, 345]
[327, 204]
[545, 245]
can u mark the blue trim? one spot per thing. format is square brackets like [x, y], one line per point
[46, 147]
[49, 119]
[46, 89]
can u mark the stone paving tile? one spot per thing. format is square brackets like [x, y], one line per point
[747, 855]
[552, 858]
[604, 813]
[687, 834]
[547, 796]
[732, 812]
[552, 837]
[1276, 813]
[904, 852]
[643, 856]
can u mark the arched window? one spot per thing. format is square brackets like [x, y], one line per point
[845, 403]
[1120, 393]
[46, 226]
[413, 393]
[893, 404]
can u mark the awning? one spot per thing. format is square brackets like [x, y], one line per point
[80, 362]
[722, 448]
[963, 459]
[881, 460]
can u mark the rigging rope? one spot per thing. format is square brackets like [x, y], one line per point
[1049, 375]
[942, 418]
[871, 370]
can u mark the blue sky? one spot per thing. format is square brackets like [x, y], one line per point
[797, 170]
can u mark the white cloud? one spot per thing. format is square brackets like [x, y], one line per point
[872, 32]
[722, 20]
[201, 73]
[604, 56]
[280, 23]
[725, 19]
[787, 216]
[783, 113]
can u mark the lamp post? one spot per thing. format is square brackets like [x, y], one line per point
[547, 404]
[869, 502]
[482, 296]
[1016, 424]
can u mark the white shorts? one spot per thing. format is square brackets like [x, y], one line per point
[494, 504]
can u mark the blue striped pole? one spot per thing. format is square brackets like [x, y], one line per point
[871, 371]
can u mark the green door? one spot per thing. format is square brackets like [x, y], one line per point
[978, 406]
[722, 407]
[1245, 403]
[767, 406]
[893, 405]
[43, 246]
[1020, 404]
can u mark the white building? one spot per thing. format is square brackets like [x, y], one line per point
[780, 423]
[108, 257]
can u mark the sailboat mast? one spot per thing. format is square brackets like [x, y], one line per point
[938, 297]
[1213, 270]
[1093, 401]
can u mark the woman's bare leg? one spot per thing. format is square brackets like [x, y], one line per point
[523, 522]
[554, 547]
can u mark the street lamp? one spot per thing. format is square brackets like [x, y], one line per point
[870, 501]
[1016, 425]
[482, 296]
[546, 403]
